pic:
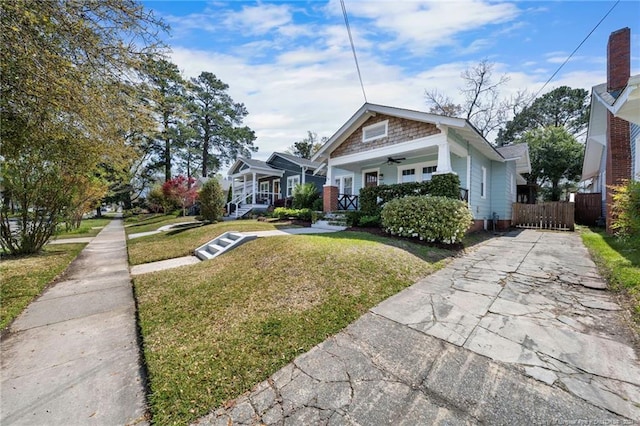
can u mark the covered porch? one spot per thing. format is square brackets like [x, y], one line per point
[254, 185]
[414, 161]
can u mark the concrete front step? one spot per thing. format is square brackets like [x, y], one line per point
[221, 244]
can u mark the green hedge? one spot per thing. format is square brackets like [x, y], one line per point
[446, 185]
[434, 219]
[285, 213]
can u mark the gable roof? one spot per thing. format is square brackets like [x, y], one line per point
[302, 162]
[367, 110]
[623, 103]
[518, 152]
[256, 165]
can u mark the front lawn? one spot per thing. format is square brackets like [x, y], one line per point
[151, 222]
[618, 262]
[213, 330]
[182, 242]
[24, 277]
[88, 228]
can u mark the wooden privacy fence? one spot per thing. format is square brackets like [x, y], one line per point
[556, 215]
[588, 208]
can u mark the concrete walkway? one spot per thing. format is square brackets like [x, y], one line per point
[72, 357]
[514, 333]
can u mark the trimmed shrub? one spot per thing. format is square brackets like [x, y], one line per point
[317, 205]
[305, 195]
[372, 198]
[359, 219]
[434, 219]
[212, 200]
[285, 213]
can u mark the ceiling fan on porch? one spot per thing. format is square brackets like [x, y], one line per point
[391, 160]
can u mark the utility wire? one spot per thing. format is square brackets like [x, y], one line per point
[353, 47]
[576, 49]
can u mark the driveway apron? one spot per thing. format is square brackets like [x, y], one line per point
[518, 331]
[72, 356]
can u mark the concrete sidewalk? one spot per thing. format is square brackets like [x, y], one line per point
[72, 357]
[515, 332]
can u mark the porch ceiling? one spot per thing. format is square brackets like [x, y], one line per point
[380, 160]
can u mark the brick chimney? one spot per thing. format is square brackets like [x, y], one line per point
[618, 167]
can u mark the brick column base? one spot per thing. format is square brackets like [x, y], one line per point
[329, 198]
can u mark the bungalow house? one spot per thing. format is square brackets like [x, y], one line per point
[259, 184]
[612, 150]
[386, 145]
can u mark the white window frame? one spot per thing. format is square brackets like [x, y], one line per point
[384, 123]
[418, 170]
[365, 171]
[401, 174]
[339, 180]
[483, 183]
[291, 184]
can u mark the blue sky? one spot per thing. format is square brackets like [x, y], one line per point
[291, 64]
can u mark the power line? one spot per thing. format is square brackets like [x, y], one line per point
[353, 48]
[576, 49]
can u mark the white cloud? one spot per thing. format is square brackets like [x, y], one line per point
[422, 26]
[259, 19]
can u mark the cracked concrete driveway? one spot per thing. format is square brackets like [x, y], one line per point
[518, 331]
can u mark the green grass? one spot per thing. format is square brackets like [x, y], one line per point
[24, 277]
[168, 245]
[146, 223]
[211, 331]
[88, 228]
[619, 263]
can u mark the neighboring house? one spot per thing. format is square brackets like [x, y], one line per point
[612, 151]
[259, 184]
[387, 145]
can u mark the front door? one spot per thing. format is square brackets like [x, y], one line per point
[264, 192]
[370, 179]
[276, 190]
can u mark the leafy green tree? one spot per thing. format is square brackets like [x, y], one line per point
[187, 149]
[307, 146]
[66, 93]
[212, 200]
[561, 107]
[555, 156]
[167, 97]
[218, 121]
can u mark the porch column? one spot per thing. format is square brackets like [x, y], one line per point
[253, 192]
[244, 188]
[329, 198]
[303, 180]
[444, 159]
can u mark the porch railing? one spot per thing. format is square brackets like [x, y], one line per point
[262, 198]
[347, 202]
[464, 195]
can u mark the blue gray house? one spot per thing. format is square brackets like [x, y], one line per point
[257, 184]
[387, 145]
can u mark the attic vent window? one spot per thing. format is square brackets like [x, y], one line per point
[375, 131]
